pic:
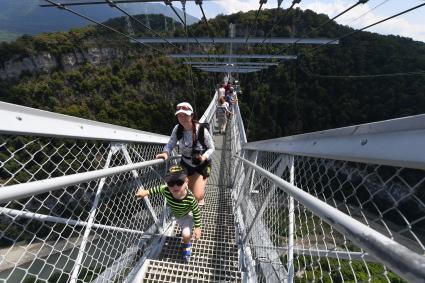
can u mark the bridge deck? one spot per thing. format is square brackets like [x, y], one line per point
[215, 256]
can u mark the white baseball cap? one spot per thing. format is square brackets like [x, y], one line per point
[185, 108]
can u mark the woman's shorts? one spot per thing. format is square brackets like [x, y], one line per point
[204, 169]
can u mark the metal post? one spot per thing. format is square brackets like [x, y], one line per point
[136, 177]
[291, 217]
[244, 183]
[406, 263]
[232, 31]
[253, 173]
[279, 172]
[79, 259]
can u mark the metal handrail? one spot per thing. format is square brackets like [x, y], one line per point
[210, 111]
[21, 120]
[396, 142]
[406, 263]
[240, 124]
[19, 191]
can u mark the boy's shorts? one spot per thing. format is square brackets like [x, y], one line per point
[186, 221]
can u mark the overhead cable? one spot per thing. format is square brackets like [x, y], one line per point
[63, 7]
[366, 76]
[364, 14]
[262, 2]
[169, 3]
[294, 2]
[371, 25]
[114, 5]
[324, 24]
[280, 18]
[414, 73]
[199, 3]
[210, 30]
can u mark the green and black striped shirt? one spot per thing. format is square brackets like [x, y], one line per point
[180, 207]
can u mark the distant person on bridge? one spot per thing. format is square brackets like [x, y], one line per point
[231, 99]
[221, 114]
[195, 145]
[221, 91]
[183, 205]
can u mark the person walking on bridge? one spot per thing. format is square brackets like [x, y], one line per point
[195, 145]
[221, 113]
[183, 205]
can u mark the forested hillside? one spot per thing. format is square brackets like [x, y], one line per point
[289, 99]
[115, 81]
[27, 17]
[138, 88]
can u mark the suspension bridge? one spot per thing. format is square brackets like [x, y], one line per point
[295, 208]
[342, 205]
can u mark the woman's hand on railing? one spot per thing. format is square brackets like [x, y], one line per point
[197, 233]
[141, 193]
[162, 155]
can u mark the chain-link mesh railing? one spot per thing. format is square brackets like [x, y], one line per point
[287, 237]
[96, 225]
[68, 211]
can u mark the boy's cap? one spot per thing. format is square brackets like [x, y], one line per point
[176, 172]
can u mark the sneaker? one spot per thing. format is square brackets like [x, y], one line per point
[201, 203]
[186, 252]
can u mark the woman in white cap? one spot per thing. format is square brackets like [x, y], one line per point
[195, 145]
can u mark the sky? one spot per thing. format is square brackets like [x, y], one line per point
[410, 25]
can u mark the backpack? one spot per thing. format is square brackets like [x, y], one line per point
[220, 111]
[200, 136]
[228, 98]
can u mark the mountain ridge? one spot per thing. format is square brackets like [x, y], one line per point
[286, 98]
[18, 18]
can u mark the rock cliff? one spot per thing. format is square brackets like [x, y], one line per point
[46, 62]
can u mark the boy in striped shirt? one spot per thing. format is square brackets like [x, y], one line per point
[182, 203]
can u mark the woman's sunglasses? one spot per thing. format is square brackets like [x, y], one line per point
[176, 182]
[183, 108]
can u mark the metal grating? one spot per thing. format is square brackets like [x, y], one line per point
[215, 232]
[215, 257]
[175, 272]
[212, 254]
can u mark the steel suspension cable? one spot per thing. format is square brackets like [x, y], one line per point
[256, 20]
[262, 2]
[199, 3]
[63, 7]
[368, 76]
[262, 70]
[369, 26]
[370, 10]
[322, 25]
[169, 3]
[114, 5]
[414, 73]
[280, 19]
